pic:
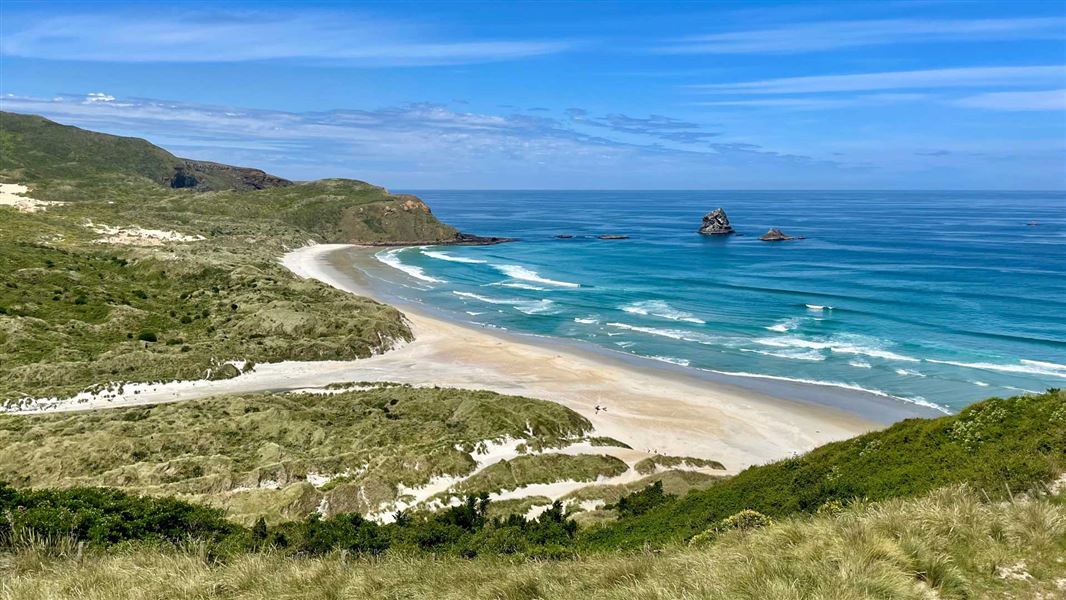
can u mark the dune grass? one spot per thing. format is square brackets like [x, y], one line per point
[949, 544]
[283, 455]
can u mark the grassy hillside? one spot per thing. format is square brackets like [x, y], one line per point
[950, 544]
[1001, 446]
[284, 456]
[87, 299]
[34, 149]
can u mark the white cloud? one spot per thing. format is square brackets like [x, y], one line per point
[188, 36]
[1017, 101]
[895, 80]
[829, 35]
[430, 145]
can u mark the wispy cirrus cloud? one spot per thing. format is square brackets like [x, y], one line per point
[659, 126]
[305, 36]
[832, 35]
[1017, 101]
[425, 144]
[895, 80]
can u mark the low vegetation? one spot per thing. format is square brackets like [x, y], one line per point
[80, 307]
[1001, 446]
[286, 456]
[950, 544]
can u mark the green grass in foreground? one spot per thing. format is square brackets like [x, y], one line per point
[949, 544]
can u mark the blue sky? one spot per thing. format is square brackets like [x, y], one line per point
[757, 95]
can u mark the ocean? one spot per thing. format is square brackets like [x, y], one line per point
[937, 299]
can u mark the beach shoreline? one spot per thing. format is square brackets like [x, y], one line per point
[653, 408]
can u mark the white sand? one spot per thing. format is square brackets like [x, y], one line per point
[14, 194]
[139, 236]
[651, 410]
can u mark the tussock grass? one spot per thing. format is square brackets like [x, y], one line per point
[949, 544]
[233, 451]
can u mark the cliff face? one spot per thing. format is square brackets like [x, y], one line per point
[209, 176]
[716, 223]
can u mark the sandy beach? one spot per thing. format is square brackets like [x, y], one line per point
[650, 409]
[654, 410]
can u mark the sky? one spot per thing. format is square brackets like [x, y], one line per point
[565, 95]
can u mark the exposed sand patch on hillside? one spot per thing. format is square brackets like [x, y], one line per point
[14, 194]
[138, 236]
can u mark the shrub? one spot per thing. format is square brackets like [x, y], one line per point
[642, 501]
[147, 336]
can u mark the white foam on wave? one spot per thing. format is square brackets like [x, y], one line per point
[451, 258]
[910, 372]
[519, 286]
[980, 384]
[840, 346]
[810, 355]
[676, 334]
[1028, 367]
[390, 258]
[917, 400]
[520, 272]
[783, 326]
[658, 308]
[529, 307]
[670, 359]
[818, 307]
[862, 364]
[588, 321]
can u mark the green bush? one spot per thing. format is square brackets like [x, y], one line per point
[147, 336]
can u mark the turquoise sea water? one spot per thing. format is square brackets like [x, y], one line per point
[935, 298]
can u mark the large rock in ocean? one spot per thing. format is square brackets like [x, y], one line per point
[716, 223]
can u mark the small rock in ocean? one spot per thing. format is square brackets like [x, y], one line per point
[776, 235]
[563, 236]
[716, 223]
[613, 236]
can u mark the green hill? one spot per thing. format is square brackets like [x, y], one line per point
[34, 149]
[98, 174]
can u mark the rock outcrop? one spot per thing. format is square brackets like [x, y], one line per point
[776, 235]
[716, 223]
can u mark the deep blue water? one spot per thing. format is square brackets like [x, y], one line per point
[933, 297]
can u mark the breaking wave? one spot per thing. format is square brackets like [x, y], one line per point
[390, 258]
[783, 326]
[670, 359]
[810, 355]
[1028, 367]
[658, 308]
[529, 307]
[451, 258]
[676, 334]
[839, 346]
[520, 272]
[916, 400]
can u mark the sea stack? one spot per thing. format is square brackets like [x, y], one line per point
[716, 223]
[775, 235]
